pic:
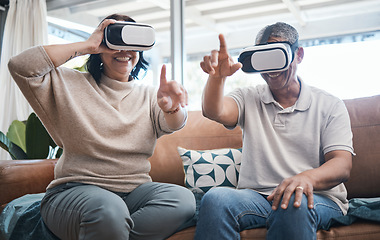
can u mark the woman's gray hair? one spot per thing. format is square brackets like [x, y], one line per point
[280, 30]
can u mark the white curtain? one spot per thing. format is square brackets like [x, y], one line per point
[25, 26]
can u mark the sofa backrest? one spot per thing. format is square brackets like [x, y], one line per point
[365, 123]
[201, 133]
[18, 177]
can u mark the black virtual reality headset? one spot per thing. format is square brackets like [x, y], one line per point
[129, 36]
[267, 57]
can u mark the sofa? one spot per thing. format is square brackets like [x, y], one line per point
[20, 177]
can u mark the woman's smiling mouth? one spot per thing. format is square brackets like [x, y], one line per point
[123, 59]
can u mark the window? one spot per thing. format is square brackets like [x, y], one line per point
[346, 68]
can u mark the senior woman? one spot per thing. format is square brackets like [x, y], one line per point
[107, 126]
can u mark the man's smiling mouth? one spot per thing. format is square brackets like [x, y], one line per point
[274, 75]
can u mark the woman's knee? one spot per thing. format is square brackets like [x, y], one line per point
[168, 207]
[86, 210]
[108, 217]
[185, 201]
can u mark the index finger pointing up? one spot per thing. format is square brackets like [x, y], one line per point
[163, 80]
[223, 45]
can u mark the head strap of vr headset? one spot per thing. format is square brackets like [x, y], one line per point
[266, 35]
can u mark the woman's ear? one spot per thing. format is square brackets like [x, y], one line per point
[299, 55]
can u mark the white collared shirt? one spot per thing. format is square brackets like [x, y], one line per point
[279, 143]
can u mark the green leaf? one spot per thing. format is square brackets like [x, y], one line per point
[37, 138]
[51, 141]
[16, 134]
[15, 151]
[4, 141]
[59, 153]
[81, 68]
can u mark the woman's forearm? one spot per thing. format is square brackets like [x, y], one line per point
[176, 119]
[60, 54]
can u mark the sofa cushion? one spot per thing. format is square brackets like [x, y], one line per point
[210, 168]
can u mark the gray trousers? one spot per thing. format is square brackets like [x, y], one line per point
[151, 211]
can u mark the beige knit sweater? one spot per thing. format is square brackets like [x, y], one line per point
[108, 131]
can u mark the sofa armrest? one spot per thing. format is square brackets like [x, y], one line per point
[20, 177]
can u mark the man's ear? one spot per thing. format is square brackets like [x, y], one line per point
[299, 55]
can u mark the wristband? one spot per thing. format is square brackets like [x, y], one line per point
[174, 111]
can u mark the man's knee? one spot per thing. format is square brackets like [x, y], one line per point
[217, 198]
[291, 214]
[293, 222]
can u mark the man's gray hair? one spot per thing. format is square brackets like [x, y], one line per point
[281, 30]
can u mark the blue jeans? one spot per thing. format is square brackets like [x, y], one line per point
[151, 211]
[225, 212]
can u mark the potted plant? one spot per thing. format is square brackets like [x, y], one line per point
[29, 140]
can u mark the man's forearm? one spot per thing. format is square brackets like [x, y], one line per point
[333, 172]
[212, 104]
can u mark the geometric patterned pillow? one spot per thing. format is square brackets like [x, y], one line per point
[210, 168]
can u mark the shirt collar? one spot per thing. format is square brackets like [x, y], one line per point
[115, 84]
[302, 104]
[304, 100]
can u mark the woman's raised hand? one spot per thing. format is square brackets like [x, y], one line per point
[94, 42]
[170, 95]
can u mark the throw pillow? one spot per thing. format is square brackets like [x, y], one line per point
[210, 168]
